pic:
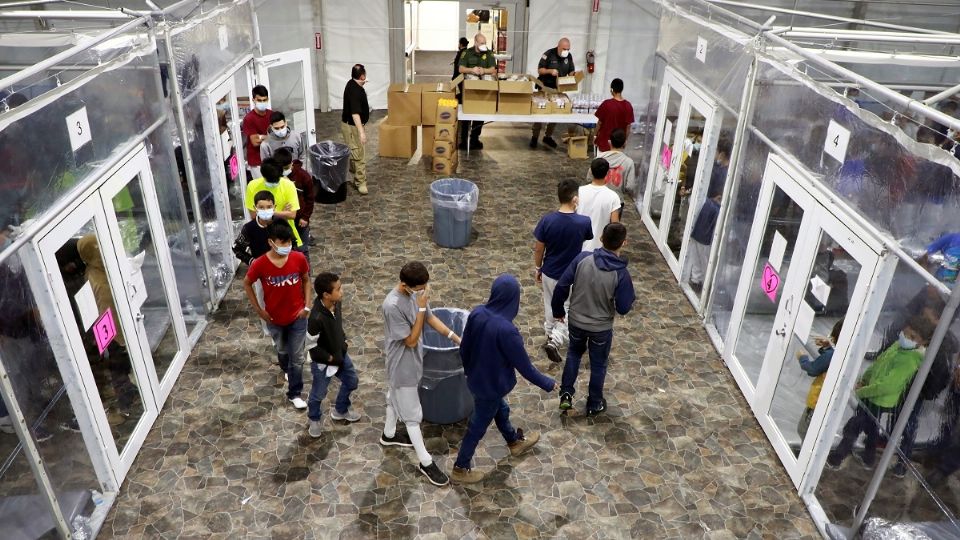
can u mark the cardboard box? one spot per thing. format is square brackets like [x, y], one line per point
[577, 147]
[515, 96]
[445, 132]
[560, 104]
[444, 165]
[570, 83]
[480, 97]
[431, 93]
[446, 114]
[403, 104]
[540, 103]
[427, 137]
[397, 141]
[443, 149]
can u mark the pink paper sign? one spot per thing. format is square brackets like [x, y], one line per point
[104, 330]
[770, 282]
[665, 156]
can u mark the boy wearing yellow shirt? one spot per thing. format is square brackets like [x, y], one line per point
[284, 193]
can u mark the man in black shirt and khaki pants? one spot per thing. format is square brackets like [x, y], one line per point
[554, 63]
[356, 113]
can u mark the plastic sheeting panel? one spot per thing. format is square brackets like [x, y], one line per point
[341, 31]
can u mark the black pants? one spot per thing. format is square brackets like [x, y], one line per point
[472, 129]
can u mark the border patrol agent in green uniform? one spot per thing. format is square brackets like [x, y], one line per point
[478, 61]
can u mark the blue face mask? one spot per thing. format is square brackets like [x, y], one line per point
[696, 147]
[283, 251]
[906, 343]
[271, 184]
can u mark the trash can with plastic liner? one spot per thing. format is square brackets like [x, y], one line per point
[329, 166]
[444, 396]
[454, 202]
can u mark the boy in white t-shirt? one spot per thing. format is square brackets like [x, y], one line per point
[598, 202]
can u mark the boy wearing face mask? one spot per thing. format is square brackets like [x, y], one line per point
[286, 202]
[816, 368]
[254, 128]
[281, 136]
[560, 236]
[477, 62]
[880, 389]
[284, 275]
[252, 240]
[305, 195]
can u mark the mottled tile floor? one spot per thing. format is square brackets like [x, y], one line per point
[678, 455]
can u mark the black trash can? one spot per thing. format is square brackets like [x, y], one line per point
[444, 396]
[330, 165]
[454, 201]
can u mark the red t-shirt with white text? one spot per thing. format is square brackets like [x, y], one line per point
[282, 286]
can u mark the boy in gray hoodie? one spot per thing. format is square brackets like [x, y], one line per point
[281, 136]
[622, 174]
[598, 286]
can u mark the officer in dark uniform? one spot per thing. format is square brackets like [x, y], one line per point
[554, 63]
[461, 46]
[477, 61]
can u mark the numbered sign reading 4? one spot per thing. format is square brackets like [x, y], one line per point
[836, 143]
[78, 126]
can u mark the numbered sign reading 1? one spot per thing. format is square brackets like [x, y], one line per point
[701, 53]
[836, 143]
[78, 126]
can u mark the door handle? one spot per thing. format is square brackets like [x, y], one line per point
[782, 332]
[138, 316]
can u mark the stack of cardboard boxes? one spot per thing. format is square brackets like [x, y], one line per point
[443, 142]
[409, 106]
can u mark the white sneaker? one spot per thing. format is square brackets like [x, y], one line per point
[299, 403]
[350, 416]
[285, 378]
[6, 425]
[316, 428]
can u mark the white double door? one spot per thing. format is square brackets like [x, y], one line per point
[679, 178]
[107, 267]
[807, 266]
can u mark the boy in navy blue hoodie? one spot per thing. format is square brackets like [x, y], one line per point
[599, 286]
[492, 350]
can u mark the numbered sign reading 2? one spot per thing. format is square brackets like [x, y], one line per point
[701, 53]
[78, 126]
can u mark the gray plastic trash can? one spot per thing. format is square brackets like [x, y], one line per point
[444, 396]
[329, 166]
[454, 202]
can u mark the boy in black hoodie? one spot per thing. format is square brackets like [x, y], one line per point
[327, 345]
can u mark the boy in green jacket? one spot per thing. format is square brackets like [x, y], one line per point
[880, 389]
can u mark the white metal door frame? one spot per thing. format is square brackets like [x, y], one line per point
[655, 173]
[293, 56]
[218, 173]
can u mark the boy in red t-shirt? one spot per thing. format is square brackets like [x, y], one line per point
[614, 113]
[284, 275]
[254, 128]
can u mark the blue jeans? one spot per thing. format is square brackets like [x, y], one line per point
[484, 411]
[318, 389]
[289, 343]
[599, 346]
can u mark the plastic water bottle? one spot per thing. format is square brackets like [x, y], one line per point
[81, 528]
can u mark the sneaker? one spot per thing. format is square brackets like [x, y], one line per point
[398, 439]
[285, 378]
[316, 428]
[434, 474]
[867, 461]
[835, 460]
[298, 403]
[899, 470]
[598, 410]
[362, 189]
[522, 444]
[533, 141]
[350, 416]
[6, 425]
[465, 476]
[41, 434]
[550, 142]
[553, 353]
[566, 401]
[72, 425]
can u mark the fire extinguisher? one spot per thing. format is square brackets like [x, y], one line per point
[501, 41]
[591, 61]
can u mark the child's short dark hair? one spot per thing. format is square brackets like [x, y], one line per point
[260, 91]
[277, 116]
[567, 189]
[263, 196]
[617, 85]
[414, 274]
[599, 167]
[279, 231]
[613, 236]
[835, 331]
[922, 326]
[271, 170]
[618, 138]
[324, 283]
[284, 156]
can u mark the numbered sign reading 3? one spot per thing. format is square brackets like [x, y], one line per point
[78, 126]
[836, 143]
[701, 49]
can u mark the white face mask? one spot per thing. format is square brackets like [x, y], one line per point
[271, 184]
[906, 343]
[265, 215]
[282, 132]
[564, 53]
[261, 105]
[286, 172]
[482, 48]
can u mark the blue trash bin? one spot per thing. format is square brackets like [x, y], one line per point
[444, 396]
[454, 202]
